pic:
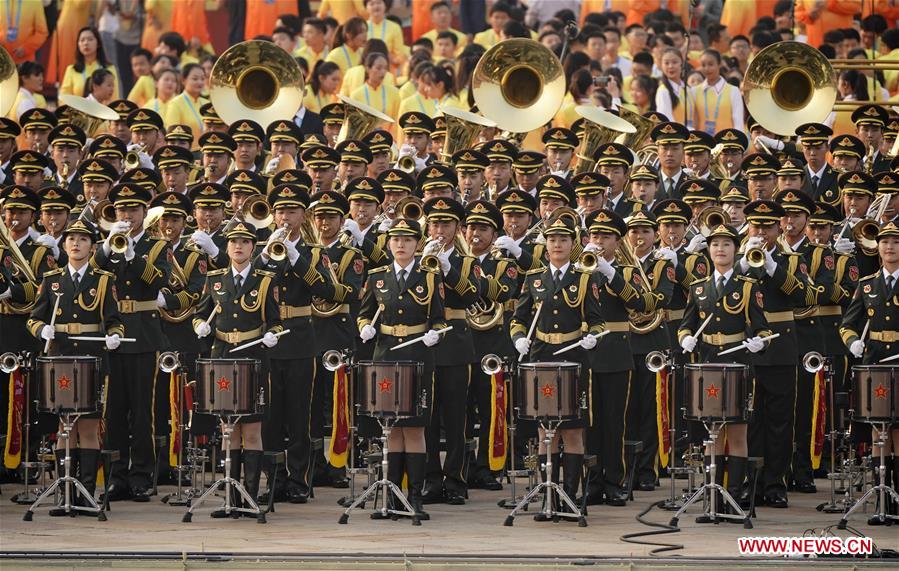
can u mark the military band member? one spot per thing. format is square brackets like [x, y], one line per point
[217, 151]
[890, 130]
[670, 139]
[820, 178]
[590, 189]
[147, 128]
[147, 178]
[321, 163]
[454, 356]
[438, 136]
[737, 303]
[416, 130]
[489, 330]
[179, 135]
[97, 177]
[734, 143]
[56, 204]
[820, 264]
[870, 121]
[643, 183]
[87, 304]
[857, 189]
[365, 195]
[410, 297]
[698, 155]
[284, 138]
[559, 144]
[659, 269]
[28, 169]
[380, 143]
[527, 169]
[9, 130]
[354, 160]
[211, 120]
[791, 174]
[614, 161]
[246, 308]
[517, 207]
[66, 142]
[333, 318]
[621, 292]
[760, 171]
[435, 181]
[141, 271]
[568, 299]
[784, 285]
[699, 195]
[249, 137]
[301, 274]
[209, 201]
[875, 303]
[397, 185]
[332, 115]
[888, 183]
[501, 154]
[174, 164]
[36, 124]
[470, 166]
[120, 128]
[846, 152]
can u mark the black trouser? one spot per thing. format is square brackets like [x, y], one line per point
[450, 411]
[481, 395]
[609, 395]
[771, 426]
[805, 399]
[642, 423]
[129, 417]
[289, 404]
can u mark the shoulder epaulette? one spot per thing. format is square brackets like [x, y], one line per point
[746, 278]
[352, 249]
[379, 269]
[217, 272]
[539, 270]
[872, 276]
[265, 273]
[49, 273]
[700, 280]
[103, 273]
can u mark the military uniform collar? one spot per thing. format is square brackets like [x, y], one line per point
[81, 272]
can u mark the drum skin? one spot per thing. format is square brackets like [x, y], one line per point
[548, 391]
[389, 389]
[68, 384]
[874, 393]
[227, 386]
[717, 392]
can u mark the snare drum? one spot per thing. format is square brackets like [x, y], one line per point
[227, 386]
[68, 384]
[874, 393]
[717, 392]
[548, 391]
[389, 389]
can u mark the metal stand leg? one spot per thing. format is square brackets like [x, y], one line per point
[549, 488]
[388, 490]
[228, 482]
[832, 506]
[67, 481]
[711, 508]
[881, 490]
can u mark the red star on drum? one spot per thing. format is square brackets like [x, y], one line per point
[384, 385]
[548, 390]
[880, 392]
[712, 391]
[64, 383]
[223, 384]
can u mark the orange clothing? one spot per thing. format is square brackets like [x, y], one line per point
[836, 14]
[421, 17]
[599, 6]
[157, 22]
[30, 33]
[739, 16]
[189, 20]
[638, 9]
[75, 15]
[262, 15]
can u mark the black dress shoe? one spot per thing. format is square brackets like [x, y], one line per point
[118, 493]
[141, 495]
[806, 488]
[776, 501]
[455, 498]
[594, 499]
[297, 496]
[340, 482]
[433, 496]
[646, 486]
[485, 483]
[281, 495]
[617, 498]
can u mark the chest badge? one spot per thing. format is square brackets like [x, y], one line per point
[217, 286]
[55, 286]
[254, 293]
[419, 289]
[572, 288]
[735, 295]
[538, 283]
[379, 284]
[867, 288]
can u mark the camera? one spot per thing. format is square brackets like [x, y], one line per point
[601, 80]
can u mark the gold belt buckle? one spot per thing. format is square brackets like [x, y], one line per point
[233, 337]
[74, 328]
[126, 305]
[553, 338]
[400, 330]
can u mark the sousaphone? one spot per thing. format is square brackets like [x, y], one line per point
[256, 80]
[360, 119]
[88, 114]
[600, 127]
[462, 130]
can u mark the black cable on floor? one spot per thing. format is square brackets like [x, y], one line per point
[662, 529]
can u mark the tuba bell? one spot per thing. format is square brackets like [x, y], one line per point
[462, 130]
[9, 82]
[788, 84]
[643, 127]
[88, 114]
[360, 119]
[519, 84]
[600, 127]
[256, 80]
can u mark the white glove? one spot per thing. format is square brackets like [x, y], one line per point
[508, 244]
[48, 333]
[523, 345]
[48, 174]
[770, 264]
[276, 236]
[352, 227]
[384, 226]
[160, 301]
[202, 329]
[431, 338]
[669, 255]
[754, 242]
[129, 252]
[431, 248]
[588, 342]
[755, 344]
[420, 163]
[443, 258]
[49, 242]
[591, 247]
[6, 294]
[844, 246]
[292, 253]
[407, 150]
[605, 268]
[117, 228]
[269, 339]
[540, 239]
[205, 243]
[113, 341]
[33, 233]
[688, 343]
[857, 348]
[697, 243]
[368, 332]
[772, 144]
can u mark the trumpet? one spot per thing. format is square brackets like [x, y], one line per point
[276, 250]
[406, 163]
[9, 362]
[334, 359]
[118, 243]
[813, 362]
[429, 253]
[588, 261]
[168, 362]
[410, 207]
[132, 158]
[491, 364]
[755, 257]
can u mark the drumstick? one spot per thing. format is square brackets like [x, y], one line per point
[578, 343]
[532, 328]
[891, 358]
[865, 330]
[89, 338]
[216, 309]
[257, 341]
[702, 327]
[375, 318]
[417, 339]
[743, 345]
[52, 320]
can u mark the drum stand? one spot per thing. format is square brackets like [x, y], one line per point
[67, 481]
[674, 501]
[228, 423]
[711, 509]
[881, 489]
[549, 488]
[387, 489]
[833, 506]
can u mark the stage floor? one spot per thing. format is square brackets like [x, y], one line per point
[470, 531]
